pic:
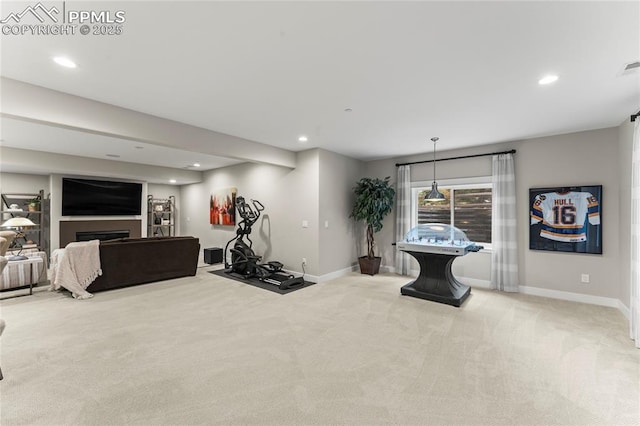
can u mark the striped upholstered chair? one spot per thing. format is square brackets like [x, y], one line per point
[6, 238]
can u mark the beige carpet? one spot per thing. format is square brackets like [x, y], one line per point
[207, 350]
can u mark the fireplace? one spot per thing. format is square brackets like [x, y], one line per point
[101, 235]
[69, 229]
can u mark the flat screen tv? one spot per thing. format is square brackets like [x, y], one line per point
[87, 197]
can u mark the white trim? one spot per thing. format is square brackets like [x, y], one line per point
[474, 282]
[573, 297]
[624, 310]
[342, 273]
[307, 277]
[336, 274]
[485, 284]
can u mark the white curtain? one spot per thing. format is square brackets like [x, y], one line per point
[635, 237]
[403, 216]
[504, 255]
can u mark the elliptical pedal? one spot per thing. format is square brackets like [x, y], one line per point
[275, 265]
[284, 282]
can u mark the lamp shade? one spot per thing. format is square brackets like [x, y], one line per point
[435, 195]
[18, 222]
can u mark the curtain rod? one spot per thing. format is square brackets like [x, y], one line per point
[513, 151]
[634, 116]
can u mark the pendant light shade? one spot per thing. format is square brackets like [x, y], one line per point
[434, 195]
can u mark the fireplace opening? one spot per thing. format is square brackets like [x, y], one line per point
[101, 235]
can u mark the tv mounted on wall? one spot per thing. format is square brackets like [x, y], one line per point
[87, 197]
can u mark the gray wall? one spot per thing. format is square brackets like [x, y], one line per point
[289, 196]
[338, 238]
[585, 158]
[18, 182]
[317, 191]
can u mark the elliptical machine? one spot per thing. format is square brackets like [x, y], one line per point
[245, 262]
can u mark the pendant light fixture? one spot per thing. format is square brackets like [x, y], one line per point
[434, 195]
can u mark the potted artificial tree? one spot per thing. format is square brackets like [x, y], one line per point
[374, 200]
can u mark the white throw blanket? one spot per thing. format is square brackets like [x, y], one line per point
[75, 267]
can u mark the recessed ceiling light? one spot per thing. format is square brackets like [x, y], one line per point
[196, 164]
[65, 62]
[548, 79]
[348, 110]
[172, 181]
[303, 139]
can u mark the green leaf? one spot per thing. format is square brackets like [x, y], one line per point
[374, 201]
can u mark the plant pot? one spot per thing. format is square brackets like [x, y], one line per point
[369, 266]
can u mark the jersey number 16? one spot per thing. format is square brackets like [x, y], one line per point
[565, 215]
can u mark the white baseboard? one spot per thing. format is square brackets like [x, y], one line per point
[307, 277]
[337, 274]
[474, 282]
[485, 284]
[326, 277]
[573, 297]
[345, 271]
[556, 294]
[624, 310]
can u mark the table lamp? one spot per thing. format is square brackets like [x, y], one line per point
[19, 223]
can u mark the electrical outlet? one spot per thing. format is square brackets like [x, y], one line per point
[304, 261]
[584, 278]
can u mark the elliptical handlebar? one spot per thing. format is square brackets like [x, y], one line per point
[248, 215]
[258, 206]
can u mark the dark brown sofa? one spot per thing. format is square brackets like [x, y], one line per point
[130, 261]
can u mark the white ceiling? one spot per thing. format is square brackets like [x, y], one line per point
[41, 137]
[271, 71]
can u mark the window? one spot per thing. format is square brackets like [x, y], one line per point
[467, 207]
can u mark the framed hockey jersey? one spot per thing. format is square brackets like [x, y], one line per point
[567, 219]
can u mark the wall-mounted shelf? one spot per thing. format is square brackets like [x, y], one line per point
[161, 216]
